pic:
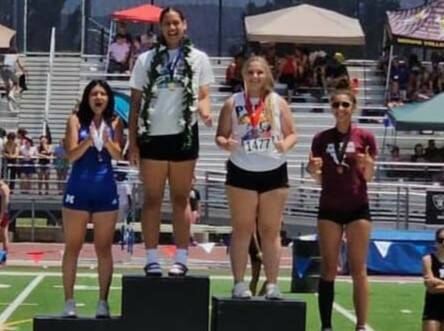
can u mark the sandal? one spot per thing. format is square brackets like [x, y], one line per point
[178, 270]
[153, 270]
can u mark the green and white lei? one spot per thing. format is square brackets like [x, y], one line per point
[150, 90]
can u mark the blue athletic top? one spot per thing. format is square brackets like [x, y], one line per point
[92, 166]
[91, 186]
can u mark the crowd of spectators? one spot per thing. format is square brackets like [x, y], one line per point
[411, 80]
[297, 70]
[25, 163]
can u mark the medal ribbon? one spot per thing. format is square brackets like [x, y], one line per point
[254, 114]
[171, 66]
[341, 153]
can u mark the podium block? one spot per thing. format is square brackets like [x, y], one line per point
[257, 314]
[55, 323]
[165, 303]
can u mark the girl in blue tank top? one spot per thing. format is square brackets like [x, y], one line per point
[92, 139]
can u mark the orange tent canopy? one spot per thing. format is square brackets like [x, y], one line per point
[144, 13]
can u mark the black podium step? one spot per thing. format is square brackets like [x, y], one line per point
[257, 315]
[165, 303]
[55, 323]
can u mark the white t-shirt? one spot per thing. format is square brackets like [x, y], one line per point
[10, 61]
[255, 150]
[166, 105]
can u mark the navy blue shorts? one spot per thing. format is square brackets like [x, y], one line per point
[91, 197]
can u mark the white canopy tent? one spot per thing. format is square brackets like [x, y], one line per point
[304, 24]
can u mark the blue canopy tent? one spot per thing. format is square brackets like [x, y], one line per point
[122, 106]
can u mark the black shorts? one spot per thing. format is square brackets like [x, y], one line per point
[345, 217]
[260, 181]
[433, 307]
[170, 147]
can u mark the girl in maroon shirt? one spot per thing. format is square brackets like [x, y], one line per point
[342, 160]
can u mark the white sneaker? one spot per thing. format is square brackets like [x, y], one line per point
[272, 292]
[69, 310]
[102, 310]
[241, 291]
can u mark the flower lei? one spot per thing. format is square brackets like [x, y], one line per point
[150, 90]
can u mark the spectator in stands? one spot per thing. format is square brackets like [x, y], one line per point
[4, 217]
[342, 161]
[27, 158]
[233, 73]
[432, 153]
[119, 52]
[269, 51]
[147, 41]
[433, 267]
[399, 78]
[173, 79]
[135, 52]
[11, 154]
[92, 139]
[61, 164]
[256, 127]
[8, 73]
[44, 154]
[336, 72]
[419, 155]
[287, 72]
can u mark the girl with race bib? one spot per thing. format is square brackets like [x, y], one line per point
[256, 127]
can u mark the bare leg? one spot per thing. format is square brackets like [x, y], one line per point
[5, 238]
[74, 227]
[153, 174]
[180, 175]
[243, 209]
[431, 326]
[358, 234]
[271, 206]
[104, 227]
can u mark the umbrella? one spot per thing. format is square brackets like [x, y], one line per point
[122, 105]
[5, 36]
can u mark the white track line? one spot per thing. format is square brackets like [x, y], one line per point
[20, 298]
[344, 312]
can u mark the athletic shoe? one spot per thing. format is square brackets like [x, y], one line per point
[241, 291]
[153, 270]
[102, 310]
[178, 270]
[272, 292]
[70, 309]
[326, 329]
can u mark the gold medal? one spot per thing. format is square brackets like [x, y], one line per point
[171, 86]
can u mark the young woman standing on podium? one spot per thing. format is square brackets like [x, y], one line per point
[256, 127]
[342, 161]
[169, 87]
[92, 139]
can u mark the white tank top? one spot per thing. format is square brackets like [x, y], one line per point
[255, 150]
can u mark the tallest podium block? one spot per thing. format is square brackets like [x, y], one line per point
[166, 304]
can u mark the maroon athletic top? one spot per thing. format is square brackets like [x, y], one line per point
[343, 185]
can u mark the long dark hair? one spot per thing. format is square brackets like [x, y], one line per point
[163, 13]
[437, 233]
[85, 113]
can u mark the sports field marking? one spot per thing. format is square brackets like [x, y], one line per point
[348, 315]
[20, 298]
[5, 286]
[88, 287]
[23, 304]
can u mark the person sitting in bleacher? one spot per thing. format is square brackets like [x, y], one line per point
[432, 153]
[119, 52]
[233, 73]
[287, 73]
[336, 72]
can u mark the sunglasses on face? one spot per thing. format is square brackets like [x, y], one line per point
[440, 240]
[343, 104]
